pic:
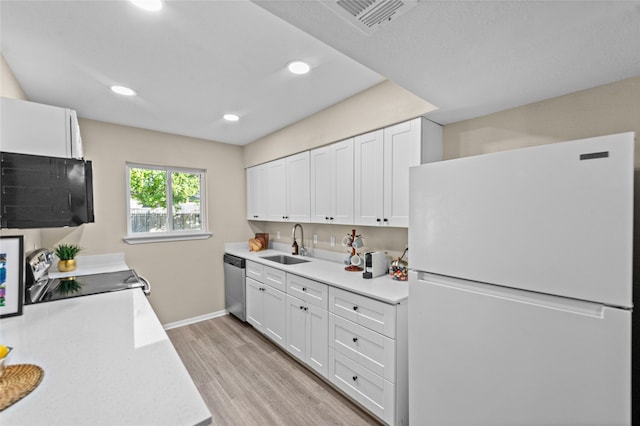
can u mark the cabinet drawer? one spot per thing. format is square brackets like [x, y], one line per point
[254, 270]
[368, 348]
[372, 314]
[310, 291]
[275, 278]
[370, 390]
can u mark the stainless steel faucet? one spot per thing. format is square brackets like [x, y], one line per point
[295, 248]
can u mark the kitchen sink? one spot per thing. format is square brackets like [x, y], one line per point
[285, 260]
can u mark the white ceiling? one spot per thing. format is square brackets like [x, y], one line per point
[471, 58]
[196, 60]
[189, 63]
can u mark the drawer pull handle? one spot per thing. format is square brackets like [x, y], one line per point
[355, 308]
[355, 378]
[355, 339]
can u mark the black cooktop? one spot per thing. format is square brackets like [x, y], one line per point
[64, 288]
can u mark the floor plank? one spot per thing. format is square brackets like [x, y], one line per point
[245, 379]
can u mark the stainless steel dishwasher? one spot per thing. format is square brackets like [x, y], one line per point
[234, 292]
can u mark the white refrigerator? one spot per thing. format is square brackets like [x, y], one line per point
[520, 289]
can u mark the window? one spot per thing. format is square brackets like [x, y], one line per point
[165, 203]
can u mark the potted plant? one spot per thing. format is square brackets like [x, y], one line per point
[66, 254]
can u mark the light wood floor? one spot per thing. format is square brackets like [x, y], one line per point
[247, 380]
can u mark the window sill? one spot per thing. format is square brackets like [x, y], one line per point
[142, 239]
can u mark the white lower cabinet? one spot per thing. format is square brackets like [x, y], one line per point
[357, 343]
[266, 310]
[307, 328]
[368, 353]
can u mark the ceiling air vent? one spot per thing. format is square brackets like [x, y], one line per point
[369, 15]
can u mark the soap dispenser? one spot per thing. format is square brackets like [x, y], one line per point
[294, 247]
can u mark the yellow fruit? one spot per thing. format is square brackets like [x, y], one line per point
[3, 351]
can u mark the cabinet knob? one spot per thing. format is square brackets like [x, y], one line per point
[301, 307]
[326, 218]
[355, 339]
[330, 218]
[355, 378]
[304, 289]
[385, 219]
[378, 220]
[355, 308]
[306, 308]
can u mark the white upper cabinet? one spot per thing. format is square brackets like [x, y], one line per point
[331, 182]
[298, 204]
[382, 166]
[256, 193]
[38, 129]
[358, 181]
[287, 189]
[369, 178]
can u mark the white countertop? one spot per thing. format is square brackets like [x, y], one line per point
[93, 264]
[106, 360]
[382, 288]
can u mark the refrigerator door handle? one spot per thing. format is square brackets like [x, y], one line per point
[575, 306]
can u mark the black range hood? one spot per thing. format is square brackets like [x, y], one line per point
[44, 192]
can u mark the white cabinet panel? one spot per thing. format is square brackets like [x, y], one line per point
[254, 301]
[254, 270]
[308, 290]
[307, 331]
[369, 178]
[276, 278]
[332, 183]
[320, 184]
[370, 349]
[370, 390]
[38, 129]
[276, 190]
[275, 316]
[373, 314]
[298, 203]
[256, 193]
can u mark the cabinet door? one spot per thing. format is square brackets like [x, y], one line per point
[398, 143]
[342, 182]
[274, 319]
[317, 339]
[36, 129]
[297, 199]
[256, 193]
[369, 178]
[321, 182]
[296, 328]
[276, 190]
[255, 308]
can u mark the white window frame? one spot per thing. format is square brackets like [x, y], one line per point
[170, 235]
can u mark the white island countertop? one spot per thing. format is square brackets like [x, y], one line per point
[382, 288]
[106, 360]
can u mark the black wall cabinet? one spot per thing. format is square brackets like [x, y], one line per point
[44, 192]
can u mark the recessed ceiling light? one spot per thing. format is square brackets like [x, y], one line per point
[150, 5]
[231, 117]
[121, 90]
[299, 67]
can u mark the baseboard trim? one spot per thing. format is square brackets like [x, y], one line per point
[194, 320]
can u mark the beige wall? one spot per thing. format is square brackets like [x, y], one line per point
[612, 108]
[10, 88]
[379, 106]
[186, 276]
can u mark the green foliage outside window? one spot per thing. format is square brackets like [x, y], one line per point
[149, 187]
